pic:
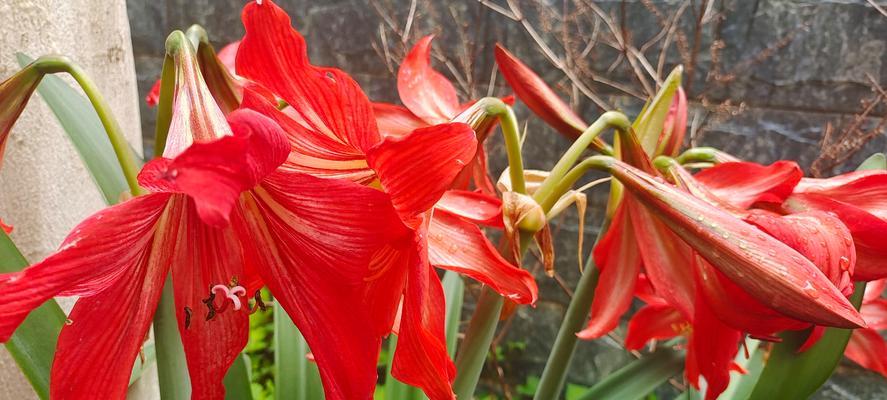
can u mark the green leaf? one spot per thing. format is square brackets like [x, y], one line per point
[295, 377]
[648, 124]
[637, 379]
[690, 394]
[80, 121]
[454, 293]
[806, 371]
[875, 161]
[32, 346]
[237, 380]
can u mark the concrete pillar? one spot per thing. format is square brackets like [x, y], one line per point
[44, 188]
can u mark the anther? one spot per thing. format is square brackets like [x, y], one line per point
[211, 313]
[258, 304]
[187, 317]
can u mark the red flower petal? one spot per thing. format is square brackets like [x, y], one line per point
[654, 322]
[228, 56]
[215, 173]
[867, 348]
[476, 207]
[867, 230]
[97, 253]
[745, 183]
[428, 94]
[766, 268]
[866, 190]
[819, 236]
[675, 125]
[533, 91]
[106, 330]
[459, 245]
[738, 309]
[815, 334]
[385, 283]
[873, 290]
[325, 100]
[394, 120]
[311, 239]
[416, 170]
[153, 95]
[710, 351]
[666, 258]
[874, 313]
[619, 261]
[6, 228]
[206, 257]
[421, 358]
[313, 152]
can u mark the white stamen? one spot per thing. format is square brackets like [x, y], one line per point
[231, 294]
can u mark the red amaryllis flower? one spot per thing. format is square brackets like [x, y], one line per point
[221, 219]
[429, 99]
[866, 346]
[333, 133]
[722, 305]
[859, 199]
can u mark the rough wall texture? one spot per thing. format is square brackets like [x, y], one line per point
[44, 188]
[780, 104]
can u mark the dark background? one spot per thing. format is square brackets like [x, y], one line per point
[768, 80]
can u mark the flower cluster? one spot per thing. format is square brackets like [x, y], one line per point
[279, 173]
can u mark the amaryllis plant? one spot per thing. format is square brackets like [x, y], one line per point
[277, 184]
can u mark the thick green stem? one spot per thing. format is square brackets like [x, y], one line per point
[474, 348]
[555, 373]
[609, 119]
[481, 116]
[479, 336]
[57, 64]
[566, 183]
[705, 155]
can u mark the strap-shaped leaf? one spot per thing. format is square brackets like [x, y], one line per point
[80, 121]
[808, 370]
[295, 377]
[875, 161]
[33, 343]
[639, 378]
[237, 380]
[454, 293]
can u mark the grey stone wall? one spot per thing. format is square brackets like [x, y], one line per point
[798, 66]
